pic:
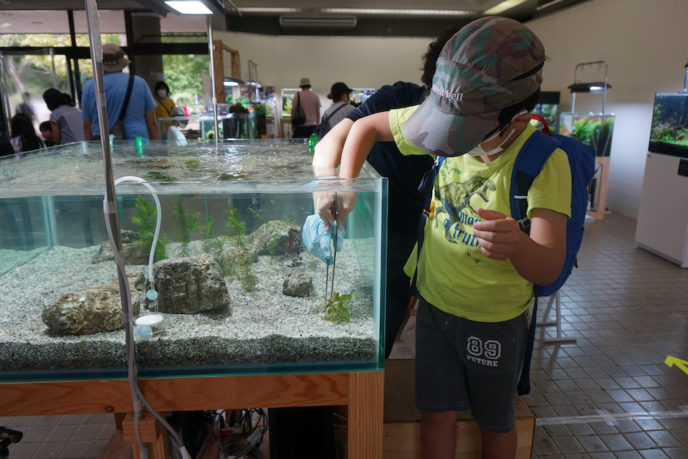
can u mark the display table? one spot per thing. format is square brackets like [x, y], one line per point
[361, 392]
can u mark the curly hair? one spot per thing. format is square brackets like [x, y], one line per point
[430, 56]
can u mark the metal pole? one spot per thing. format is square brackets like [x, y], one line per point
[52, 66]
[685, 80]
[212, 80]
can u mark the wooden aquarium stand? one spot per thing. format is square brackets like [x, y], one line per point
[362, 393]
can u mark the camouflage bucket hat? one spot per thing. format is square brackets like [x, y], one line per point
[490, 64]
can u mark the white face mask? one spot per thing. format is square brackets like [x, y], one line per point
[479, 151]
[162, 93]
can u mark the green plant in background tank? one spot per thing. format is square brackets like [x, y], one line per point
[192, 165]
[187, 224]
[336, 307]
[214, 246]
[145, 220]
[156, 176]
[594, 132]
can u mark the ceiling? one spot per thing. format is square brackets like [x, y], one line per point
[329, 17]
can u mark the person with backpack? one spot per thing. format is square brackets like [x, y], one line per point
[305, 111]
[340, 108]
[474, 267]
[130, 104]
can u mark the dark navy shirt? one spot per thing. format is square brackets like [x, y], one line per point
[404, 172]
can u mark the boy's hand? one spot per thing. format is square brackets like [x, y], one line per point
[323, 203]
[498, 235]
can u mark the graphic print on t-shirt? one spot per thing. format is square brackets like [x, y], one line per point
[457, 209]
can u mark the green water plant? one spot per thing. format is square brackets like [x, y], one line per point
[187, 224]
[335, 307]
[144, 220]
[241, 265]
[157, 176]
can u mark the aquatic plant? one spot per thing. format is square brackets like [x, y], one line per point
[293, 249]
[335, 307]
[156, 176]
[594, 132]
[187, 223]
[144, 220]
[242, 263]
[192, 165]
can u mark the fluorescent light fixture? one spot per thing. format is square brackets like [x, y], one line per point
[501, 7]
[260, 10]
[397, 12]
[596, 88]
[231, 83]
[188, 6]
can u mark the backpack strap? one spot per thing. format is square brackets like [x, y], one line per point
[426, 186]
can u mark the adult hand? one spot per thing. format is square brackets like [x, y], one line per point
[498, 235]
[318, 239]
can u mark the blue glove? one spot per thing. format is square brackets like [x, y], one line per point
[317, 238]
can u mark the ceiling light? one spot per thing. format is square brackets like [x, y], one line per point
[393, 12]
[260, 10]
[188, 6]
[505, 5]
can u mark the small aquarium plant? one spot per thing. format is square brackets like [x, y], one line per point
[594, 129]
[144, 221]
[669, 132]
[335, 307]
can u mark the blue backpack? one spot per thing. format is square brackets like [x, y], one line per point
[530, 161]
[528, 165]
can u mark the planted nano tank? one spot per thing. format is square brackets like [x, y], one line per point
[669, 132]
[594, 129]
[548, 108]
[221, 285]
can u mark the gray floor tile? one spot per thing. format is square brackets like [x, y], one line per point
[616, 442]
[49, 449]
[664, 439]
[568, 445]
[592, 443]
[676, 453]
[652, 454]
[640, 440]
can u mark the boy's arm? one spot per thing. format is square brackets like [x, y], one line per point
[537, 258]
[328, 151]
[362, 136]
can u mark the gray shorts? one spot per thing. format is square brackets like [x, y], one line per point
[462, 364]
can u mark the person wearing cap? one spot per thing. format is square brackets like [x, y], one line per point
[476, 269]
[139, 119]
[310, 102]
[340, 108]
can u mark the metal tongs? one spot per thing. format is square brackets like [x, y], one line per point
[330, 286]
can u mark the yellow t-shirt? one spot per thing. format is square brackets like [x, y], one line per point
[453, 274]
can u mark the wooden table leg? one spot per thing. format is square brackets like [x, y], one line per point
[152, 434]
[366, 401]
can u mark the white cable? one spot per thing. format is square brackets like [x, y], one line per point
[137, 395]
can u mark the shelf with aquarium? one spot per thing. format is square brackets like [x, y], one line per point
[226, 289]
[594, 129]
[669, 131]
[548, 108]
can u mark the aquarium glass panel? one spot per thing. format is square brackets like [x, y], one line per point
[669, 133]
[594, 129]
[231, 289]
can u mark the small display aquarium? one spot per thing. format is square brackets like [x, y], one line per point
[594, 129]
[222, 284]
[669, 132]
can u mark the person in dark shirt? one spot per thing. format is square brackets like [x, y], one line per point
[404, 173]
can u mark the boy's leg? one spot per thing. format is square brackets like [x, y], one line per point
[438, 435]
[440, 381]
[499, 445]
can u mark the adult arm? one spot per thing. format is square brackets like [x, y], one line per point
[537, 257]
[56, 132]
[152, 123]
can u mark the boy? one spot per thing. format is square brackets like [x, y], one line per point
[47, 133]
[476, 268]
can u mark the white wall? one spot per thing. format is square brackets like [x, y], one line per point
[643, 41]
[360, 62]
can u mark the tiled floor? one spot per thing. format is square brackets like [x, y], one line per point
[610, 395]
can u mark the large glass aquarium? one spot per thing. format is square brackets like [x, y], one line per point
[594, 129]
[669, 132]
[230, 288]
